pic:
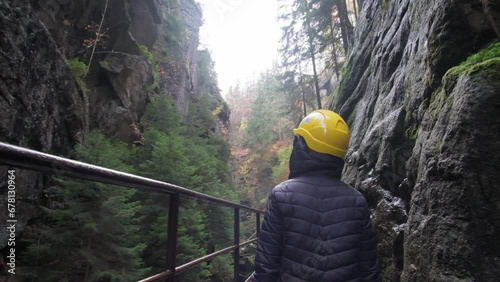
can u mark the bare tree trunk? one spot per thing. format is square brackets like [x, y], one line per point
[303, 90]
[356, 11]
[345, 25]
[334, 51]
[316, 83]
[313, 57]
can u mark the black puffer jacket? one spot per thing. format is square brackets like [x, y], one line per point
[316, 228]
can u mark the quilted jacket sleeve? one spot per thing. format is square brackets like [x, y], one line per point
[368, 255]
[269, 245]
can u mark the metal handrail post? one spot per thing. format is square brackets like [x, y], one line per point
[237, 243]
[173, 221]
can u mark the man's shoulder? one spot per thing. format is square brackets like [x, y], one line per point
[288, 185]
[300, 192]
[304, 183]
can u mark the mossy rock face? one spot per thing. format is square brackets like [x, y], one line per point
[486, 61]
[78, 69]
[458, 151]
[407, 127]
[451, 230]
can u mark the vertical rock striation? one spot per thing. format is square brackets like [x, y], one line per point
[426, 153]
[40, 104]
[182, 83]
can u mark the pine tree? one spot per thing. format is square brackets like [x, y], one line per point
[310, 28]
[270, 119]
[89, 230]
[195, 157]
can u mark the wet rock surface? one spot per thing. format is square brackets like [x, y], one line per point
[425, 154]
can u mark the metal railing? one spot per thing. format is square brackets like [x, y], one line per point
[33, 160]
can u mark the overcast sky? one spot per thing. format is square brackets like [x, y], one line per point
[242, 36]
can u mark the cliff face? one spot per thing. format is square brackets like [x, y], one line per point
[121, 79]
[106, 35]
[187, 85]
[134, 50]
[425, 147]
[41, 106]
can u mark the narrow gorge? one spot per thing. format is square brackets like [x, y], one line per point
[420, 90]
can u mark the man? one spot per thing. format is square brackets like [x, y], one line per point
[316, 227]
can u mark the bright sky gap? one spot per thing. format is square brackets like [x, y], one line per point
[242, 36]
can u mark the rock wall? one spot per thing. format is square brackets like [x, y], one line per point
[41, 106]
[425, 154]
[119, 74]
[180, 80]
[120, 80]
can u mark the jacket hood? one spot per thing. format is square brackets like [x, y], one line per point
[306, 161]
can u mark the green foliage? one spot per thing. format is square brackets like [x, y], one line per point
[206, 67]
[486, 58]
[309, 29]
[154, 66]
[97, 228]
[162, 115]
[338, 95]
[192, 243]
[78, 70]
[437, 102]
[203, 121]
[222, 268]
[176, 28]
[169, 161]
[264, 113]
[269, 120]
[210, 109]
[89, 229]
[171, 34]
[280, 171]
[412, 132]
[77, 67]
[385, 4]
[148, 55]
[192, 157]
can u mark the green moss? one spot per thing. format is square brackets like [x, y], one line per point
[147, 54]
[152, 62]
[175, 28]
[412, 132]
[439, 98]
[78, 70]
[385, 4]
[344, 74]
[487, 60]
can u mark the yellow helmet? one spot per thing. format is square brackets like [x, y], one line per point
[325, 132]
